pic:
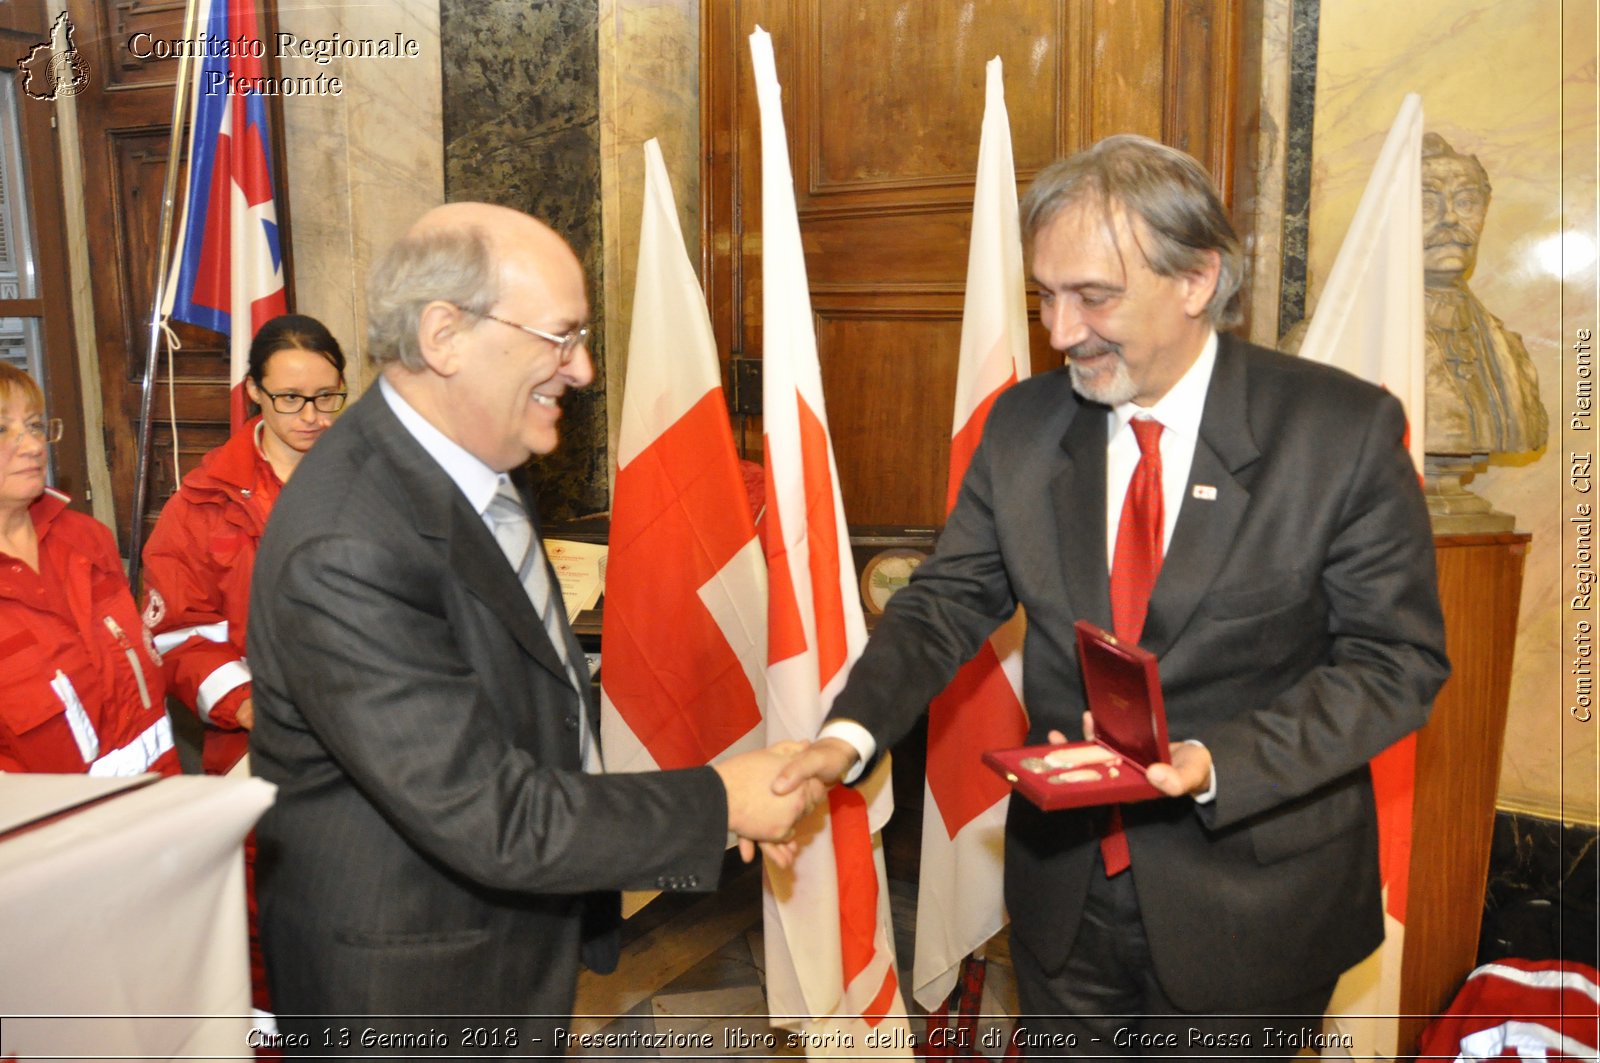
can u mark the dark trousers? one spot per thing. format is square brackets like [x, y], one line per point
[1107, 1002]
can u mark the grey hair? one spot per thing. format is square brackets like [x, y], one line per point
[453, 265]
[1160, 184]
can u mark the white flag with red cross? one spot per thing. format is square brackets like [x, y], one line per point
[830, 967]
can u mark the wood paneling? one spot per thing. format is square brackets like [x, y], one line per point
[131, 65]
[1458, 772]
[918, 69]
[124, 117]
[883, 103]
[878, 397]
[24, 24]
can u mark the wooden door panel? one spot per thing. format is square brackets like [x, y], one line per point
[883, 104]
[887, 376]
[1127, 65]
[910, 251]
[124, 115]
[917, 69]
[137, 64]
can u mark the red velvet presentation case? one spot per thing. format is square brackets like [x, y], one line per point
[1130, 731]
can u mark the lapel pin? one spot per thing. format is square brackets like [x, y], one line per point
[1205, 492]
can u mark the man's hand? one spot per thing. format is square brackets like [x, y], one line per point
[245, 714]
[1187, 775]
[822, 764]
[757, 811]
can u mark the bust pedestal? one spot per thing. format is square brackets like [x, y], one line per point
[1452, 508]
[1458, 772]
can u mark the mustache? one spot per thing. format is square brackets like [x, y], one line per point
[1441, 237]
[1093, 348]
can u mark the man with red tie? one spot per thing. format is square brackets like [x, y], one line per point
[1253, 521]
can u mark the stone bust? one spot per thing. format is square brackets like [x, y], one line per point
[1483, 389]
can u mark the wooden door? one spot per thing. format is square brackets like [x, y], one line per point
[883, 101]
[36, 331]
[124, 119]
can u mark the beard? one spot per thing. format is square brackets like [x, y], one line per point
[1107, 383]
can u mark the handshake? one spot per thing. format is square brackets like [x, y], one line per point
[771, 790]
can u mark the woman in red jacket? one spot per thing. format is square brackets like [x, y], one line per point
[197, 563]
[81, 683]
[198, 560]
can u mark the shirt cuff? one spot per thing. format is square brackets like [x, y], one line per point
[857, 737]
[1210, 793]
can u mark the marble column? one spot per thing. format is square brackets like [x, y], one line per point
[361, 164]
[649, 87]
[522, 129]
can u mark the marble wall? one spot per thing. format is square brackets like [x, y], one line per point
[1515, 85]
[522, 129]
[363, 164]
[1259, 186]
[649, 87]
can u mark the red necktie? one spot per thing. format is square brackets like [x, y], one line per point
[1133, 575]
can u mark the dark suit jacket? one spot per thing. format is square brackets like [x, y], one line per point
[433, 838]
[1297, 625]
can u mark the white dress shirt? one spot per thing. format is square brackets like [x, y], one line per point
[1179, 412]
[475, 479]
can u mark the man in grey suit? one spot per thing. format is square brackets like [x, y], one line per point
[1294, 614]
[443, 845]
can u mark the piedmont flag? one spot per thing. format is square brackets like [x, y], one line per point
[1369, 321]
[959, 902]
[829, 950]
[686, 591]
[227, 275]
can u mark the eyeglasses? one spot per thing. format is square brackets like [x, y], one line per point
[566, 346]
[12, 433]
[294, 402]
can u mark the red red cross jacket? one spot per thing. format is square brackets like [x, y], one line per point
[198, 562]
[82, 687]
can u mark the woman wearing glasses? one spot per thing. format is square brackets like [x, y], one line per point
[198, 560]
[199, 557]
[197, 563]
[82, 688]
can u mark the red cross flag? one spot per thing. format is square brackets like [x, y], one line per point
[831, 972]
[685, 619]
[959, 902]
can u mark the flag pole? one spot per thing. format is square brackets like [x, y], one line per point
[141, 480]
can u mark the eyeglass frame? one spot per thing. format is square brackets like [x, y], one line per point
[46, 430]
[566, 346]
[315, 400]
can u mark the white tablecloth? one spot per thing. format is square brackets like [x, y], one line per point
[122, 925]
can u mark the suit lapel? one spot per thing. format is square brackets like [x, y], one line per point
[1078, 493]
[441, 514]
[1206, 526]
